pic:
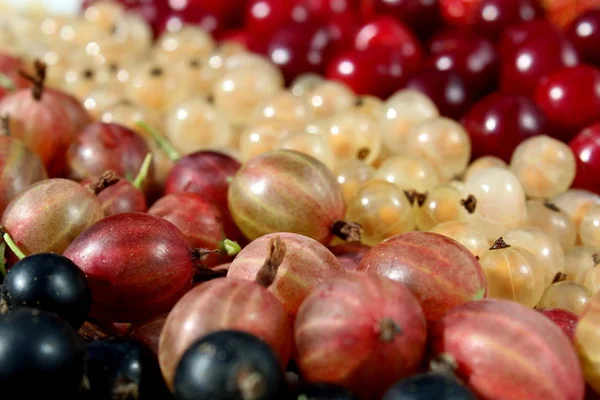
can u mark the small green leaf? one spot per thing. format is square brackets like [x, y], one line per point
[231, 247]
[479, 295]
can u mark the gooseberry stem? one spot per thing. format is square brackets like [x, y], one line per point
[38, 79]
[2, 266]
[6, 83]
[13, 246]
[161, 141]
[230, 247]
[143, 173]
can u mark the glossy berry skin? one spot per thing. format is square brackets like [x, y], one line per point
[586, 147]
[505, 13]
[429, 386]
[387, 32]
[363, 349]
[414, 258]
[570, 100]
[78, 115]
[422, 16]
[137, 266]
[148, 332]
[514, 36]
[532, 60]
[566, 320]
[584, 32]
[101, 147]
[49, 282]
[40, 347]
[115, 364]
[207, 173]
[286, 191]
[445, 88]
[299, 48]
[19, 168]
[43, 125]
[197, 218]
[323, 391]
[122, 197]
[497, 361]
[499, 122]
[219, 365]
[377, 71]
[224, 303]
[474, 58]
[38, 225]
[264, 17]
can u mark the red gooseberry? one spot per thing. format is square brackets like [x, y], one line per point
[363, 331]
[441, 272]
[137, 266]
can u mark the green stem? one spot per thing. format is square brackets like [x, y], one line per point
[2, 266]
[161, 141]
[143, 173]
[13, 246]
[7, 83]
[230, 247]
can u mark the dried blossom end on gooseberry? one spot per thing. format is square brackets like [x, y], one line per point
[349, 231]
[106, 180]
[551, 206]
[267, 273]
[388, 329]
[559, 277]
[470, 204]
[37, 80]
[499, 244]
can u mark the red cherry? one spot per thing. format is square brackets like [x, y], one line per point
[342, 29]
[570, 99]
[586, 147]
[459, 12]
[521, 71]
[378, 71]
[299, 48]
[491, 17]
[514, 36]
[447, 90]
[473, 58]
[584, 32]
[324, 9]
[230, 11]
[499, 122]
[423, 16]
[265, 17]
[385, 31]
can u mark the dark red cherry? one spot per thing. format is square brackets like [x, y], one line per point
[422, 16]
[570, 100]
[521, 70]
[325, 9]
[491, 17]
[298, 48]
[586, 147]
[459, 12]
[514, 36]
[264, 17]
[342, 29]
[230, 12]
[379, 71]
[584, 32]
[387, 32]
[447, 90]
[473, 58]
[499, 122]
[191, 15]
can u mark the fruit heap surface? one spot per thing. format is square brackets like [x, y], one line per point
[301, 200]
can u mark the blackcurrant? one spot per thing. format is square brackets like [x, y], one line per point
[429, 386]
[324, 391]
[50, 282]
[123, 368]
[41, 356]
[229, 365]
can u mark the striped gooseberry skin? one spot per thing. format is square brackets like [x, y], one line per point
[50, 214]
[441, 272]
[340, 333]
[43, 125]
[224, 303]
[504, 350]
[122, 197]
[100, 147]
[306, 264]
[19, 168]
[137, 266]
[197, 218]
[286, 191]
